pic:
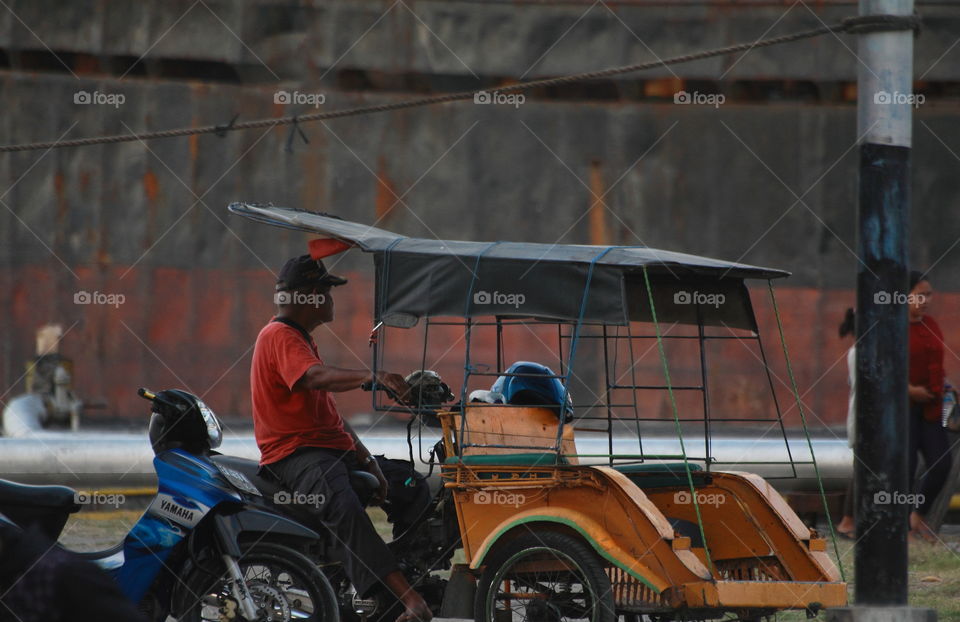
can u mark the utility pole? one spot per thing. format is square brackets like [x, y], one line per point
[884, 120]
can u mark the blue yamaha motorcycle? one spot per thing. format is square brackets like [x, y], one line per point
[201, 550]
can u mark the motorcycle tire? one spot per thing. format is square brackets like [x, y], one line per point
[285, 584]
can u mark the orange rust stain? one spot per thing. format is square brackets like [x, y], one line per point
[850, 92]
[599, 232]
[662, 87]
[194, 147]
[151, 186]
[171, 292]
[312, 159]
[59, 184]
[213, 325]
[86, 64]
[60, 187]
[102, 234]
[387, 194]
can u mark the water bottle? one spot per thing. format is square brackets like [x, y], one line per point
[949, 402]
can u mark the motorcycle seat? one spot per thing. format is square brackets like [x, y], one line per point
[25, 495]
[268, 487]
[363, 482]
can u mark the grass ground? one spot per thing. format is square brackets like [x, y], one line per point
[933, 575]
[934, 571]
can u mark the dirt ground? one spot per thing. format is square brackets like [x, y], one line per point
[94, 531]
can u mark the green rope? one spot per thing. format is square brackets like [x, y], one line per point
[676, 418]
[806, 432]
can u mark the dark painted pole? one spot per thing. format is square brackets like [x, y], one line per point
[884, 117]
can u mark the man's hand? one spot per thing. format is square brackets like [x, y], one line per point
[381, 495]
[416, 610]
[396, 384]
[919, 394]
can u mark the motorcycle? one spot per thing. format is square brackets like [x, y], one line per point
[200, 551]
[423, 551]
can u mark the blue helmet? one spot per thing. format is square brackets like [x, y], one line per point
[530, 390]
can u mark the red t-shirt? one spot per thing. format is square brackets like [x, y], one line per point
[926, 363]
[285, 418]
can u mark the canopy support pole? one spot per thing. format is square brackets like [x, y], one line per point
[885, 75]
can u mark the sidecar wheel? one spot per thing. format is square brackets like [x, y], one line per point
[545, 577]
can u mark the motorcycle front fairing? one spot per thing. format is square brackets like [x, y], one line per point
[189, 488]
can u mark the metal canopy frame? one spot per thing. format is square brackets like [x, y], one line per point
[626, 413]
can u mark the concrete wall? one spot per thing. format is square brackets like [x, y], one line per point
[149, 221]
[299, 40]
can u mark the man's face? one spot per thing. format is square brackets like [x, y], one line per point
[313, 303]
[324, 304]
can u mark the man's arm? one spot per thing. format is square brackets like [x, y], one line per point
[362, 452]
[365, 458]
[337, 379]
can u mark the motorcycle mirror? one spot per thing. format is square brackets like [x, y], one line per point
[373, 334]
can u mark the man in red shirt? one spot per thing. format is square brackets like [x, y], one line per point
[305, 444]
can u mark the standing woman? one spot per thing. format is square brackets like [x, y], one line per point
[846, 528]
[925, 431]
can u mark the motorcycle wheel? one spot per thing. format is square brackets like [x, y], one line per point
[544, 577]
[285, 585]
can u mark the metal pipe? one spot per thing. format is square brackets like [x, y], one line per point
[95, 460]
[24, 415]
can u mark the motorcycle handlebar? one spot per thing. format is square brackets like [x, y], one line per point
[147, 394]
[368, 386]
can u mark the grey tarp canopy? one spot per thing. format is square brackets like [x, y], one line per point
[419, 277]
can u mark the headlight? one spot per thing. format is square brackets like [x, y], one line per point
[210, 421]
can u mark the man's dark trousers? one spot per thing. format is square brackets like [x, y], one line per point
[319, 480]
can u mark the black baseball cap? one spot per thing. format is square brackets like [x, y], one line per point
[304, 270]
